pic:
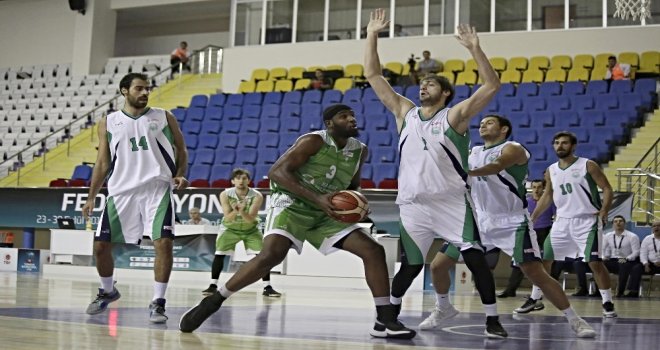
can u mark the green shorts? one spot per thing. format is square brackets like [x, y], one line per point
[227, 239]
[300, 222]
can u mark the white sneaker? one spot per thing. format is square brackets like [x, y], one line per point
[438, 315]
[582, 329]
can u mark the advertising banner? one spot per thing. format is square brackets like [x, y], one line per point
[191, 253]
[8, 259]
[28, 260]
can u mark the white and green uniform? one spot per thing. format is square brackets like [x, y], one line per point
[330, 170]
[433, 198]
[232, 232]
[577, 231]
[501, 205]
[142, 164]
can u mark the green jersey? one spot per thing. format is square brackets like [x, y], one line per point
[239, 224]
[331, 169]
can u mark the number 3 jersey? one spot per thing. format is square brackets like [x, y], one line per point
[574, 191]
[141, 150]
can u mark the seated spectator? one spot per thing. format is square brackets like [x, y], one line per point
[426, 66]
[621, 254]
[650, 250]
[180, 55]
[617, 71]
[320, 81]
[399, 31]
[196, 218]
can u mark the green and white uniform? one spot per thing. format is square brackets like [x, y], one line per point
[142, 164]
[330, 170]
[577, 231]
[232, 232]
[433, 198]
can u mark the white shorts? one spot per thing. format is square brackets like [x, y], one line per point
[449, 217]
[511, 233]
[579, 237]
[145, 211]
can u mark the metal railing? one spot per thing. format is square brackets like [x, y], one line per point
[643, 181]
[204, 61]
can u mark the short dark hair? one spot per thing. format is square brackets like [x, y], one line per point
[503, 121]
[444, 84]
[542, 181]
[127, 80]
[619, 217]
[612, 58]
[568, 134]
[240, 171]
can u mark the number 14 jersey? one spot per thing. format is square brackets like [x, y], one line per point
[575, 192]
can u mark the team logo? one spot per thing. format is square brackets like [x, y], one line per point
[7, 259]
[575, 173]
[492, 157]
[153, 125]
[348, 155]
[435, 127]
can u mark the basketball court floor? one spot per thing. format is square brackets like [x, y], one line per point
[314, 313]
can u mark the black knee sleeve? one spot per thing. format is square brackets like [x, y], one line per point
[404, 278]
[483, 277]
[216, 268]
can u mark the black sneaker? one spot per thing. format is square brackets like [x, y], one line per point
[529, 306]
[580, 293]
[194, 317]
[397, 310]
[394, 329]
[608, 310]
[210, 290]
[494, 328]
[270, 292]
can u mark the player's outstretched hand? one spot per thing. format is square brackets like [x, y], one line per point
[467, 36]
[180, 183]
[378, 21]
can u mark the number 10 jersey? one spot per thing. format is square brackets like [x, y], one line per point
[575, 193]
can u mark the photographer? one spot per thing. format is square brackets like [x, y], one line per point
[425, 66]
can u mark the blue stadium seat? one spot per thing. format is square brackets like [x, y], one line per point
[270, 125]
[273, 97]
[311, 110]
[582, 134]
[231, 127]
[374, 107]
[619, 118]
[475, 138]
[364, 137]
[552, 88]
[190, 140]
[588, 151]
[356, 106]
[382, 171]
[261, 172]
[377, 122]
[267, 155]
[366, 172]
[519, 120]
[310, 122]
[491, 107]
[544, 119]
[249, 126]
[609, 134]
[213, 113]
[380, 138]
[246, 156]
[621, 87]
[398, 89]
[199, 172]
[292, 97]
[269, 140]
[290, 124]
[369, 95]
[558, 103]
[270, 111]
[287, 140]
[212, 127]
[228, 141]
[312, 96]
[208, 141]
[217, 100]
[475, 122]
[510, 104]
[538, 152]
[506, 90]
[412, 92]
[199, 101]
[205, 156]
[252, 98]
[606, 102]
[534, 104]
[592, 118]
[567, 119]
[646, 89]
[527, 89]
[179, 114]
[597, 87]
[536, 169]
[331, 97]
[232, 112]
[251, 111]
[234, 100]
[461, 91]
[195, 114]
[526, 136]
[225, 156]
[581, 103]
[630, 102]
[248, 140]
[191, 157]
[82, 172]
[361, 122]
[546, 135]
[352, 95]
[220, 171]
[251, 169]
[290, 110]
[572, 88]
[191, 127]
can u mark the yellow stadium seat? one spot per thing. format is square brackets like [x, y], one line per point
[354, 70]
[561, 61]
[466, 78]
[556, 74]
[539, 62]
[395, 67]
[583, 61]
[314, 68]
[259, 74]
[246, 86]
[601, 59]
[302, 84]
[295, 73]
[265, 86]
[598, 73]
[510, 76]
[631, 58]
[650, 62]
[277, 73]
[517, 63]
[471, 65]
[454, 66]
[334, 67]
[343, 84]
[283, 85]
[498, 63]
[533, 76]
[406, 69]
[449, 75]
[578, 74]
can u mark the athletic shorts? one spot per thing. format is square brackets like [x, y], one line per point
[449, 217]
[227, 239]
[144, 211]
[300, 222]
[511, 233]
[579, 237]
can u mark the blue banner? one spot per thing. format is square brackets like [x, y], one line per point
[28, 260]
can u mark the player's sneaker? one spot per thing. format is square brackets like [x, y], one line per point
[494, 328]
[438, 315]
[194, 317]
[270, 292]
[102, 301]
[582, 329]
[157, 311]
[210, 290]
[608, 309]
[529, 306]
[387, 325]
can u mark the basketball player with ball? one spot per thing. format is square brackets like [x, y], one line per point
[310, 202]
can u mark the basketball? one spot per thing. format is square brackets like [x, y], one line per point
[351, 206]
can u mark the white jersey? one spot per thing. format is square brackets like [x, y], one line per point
[141, 150]
[433, 158]
[503, 192]
[574, 191]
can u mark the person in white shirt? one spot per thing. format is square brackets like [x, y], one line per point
[650, 252]
[196, 218]
[621, 252]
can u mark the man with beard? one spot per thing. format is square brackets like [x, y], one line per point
[572, 184]
[141, 155]
[433, 194]
[303, 180]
